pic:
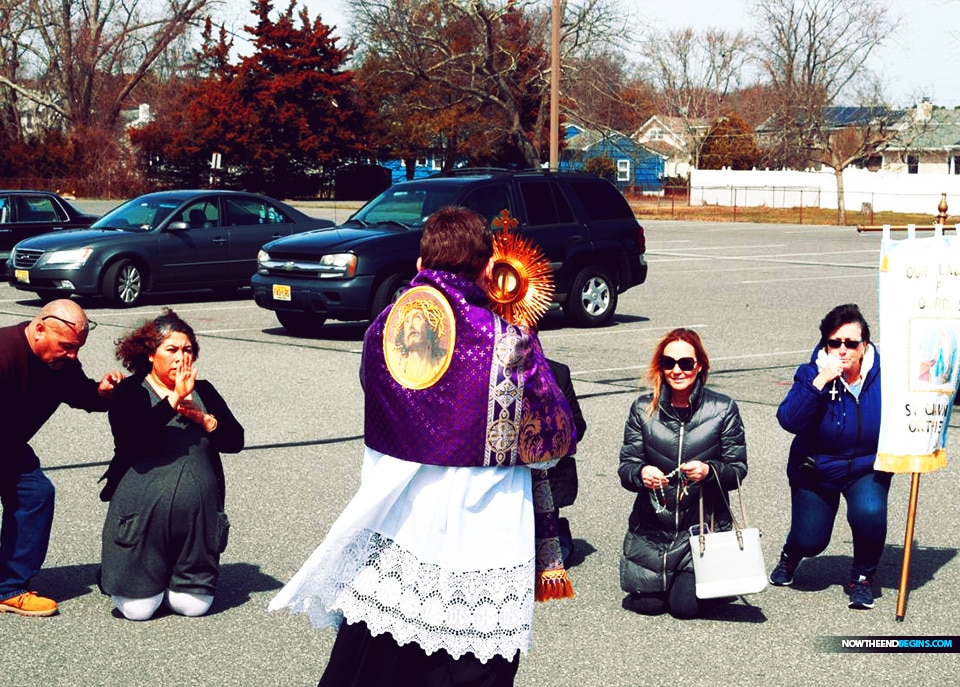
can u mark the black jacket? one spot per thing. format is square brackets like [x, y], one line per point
[137, 423]
[655, 546]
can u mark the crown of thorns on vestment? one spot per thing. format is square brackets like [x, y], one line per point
[431, 311]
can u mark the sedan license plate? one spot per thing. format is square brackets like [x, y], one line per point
[281, 292]
[22, 275]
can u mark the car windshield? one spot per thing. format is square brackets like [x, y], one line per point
[405, 206]
[141, 214]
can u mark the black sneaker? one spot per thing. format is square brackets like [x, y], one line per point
[860, 591]
[782, 575]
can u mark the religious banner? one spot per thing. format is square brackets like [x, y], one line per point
[919, 290]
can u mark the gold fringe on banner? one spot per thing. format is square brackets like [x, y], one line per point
[927, 462]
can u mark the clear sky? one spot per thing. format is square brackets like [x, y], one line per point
[921, 59]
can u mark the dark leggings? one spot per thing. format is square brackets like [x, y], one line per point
[680, 599]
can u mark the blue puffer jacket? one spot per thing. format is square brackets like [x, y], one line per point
[839, 431]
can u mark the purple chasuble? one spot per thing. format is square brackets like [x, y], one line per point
[482, 395]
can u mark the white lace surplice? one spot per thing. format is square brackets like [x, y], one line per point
[443, 557]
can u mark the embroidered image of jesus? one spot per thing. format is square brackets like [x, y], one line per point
[419, 338]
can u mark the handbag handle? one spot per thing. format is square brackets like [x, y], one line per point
[736, 525]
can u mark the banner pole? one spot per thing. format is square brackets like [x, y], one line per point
[908, 546]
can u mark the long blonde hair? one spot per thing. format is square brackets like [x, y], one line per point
[655, 372]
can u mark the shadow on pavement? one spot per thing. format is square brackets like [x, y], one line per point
[733, 609]
[581, 549]
[67, 582]
[237, 582]
[821, 572]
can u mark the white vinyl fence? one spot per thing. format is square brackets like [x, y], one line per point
[882, 190]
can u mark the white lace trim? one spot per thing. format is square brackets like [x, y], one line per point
[366, 576]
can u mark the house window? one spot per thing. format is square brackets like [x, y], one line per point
[913, 164]
[623, 170]
[656, 134]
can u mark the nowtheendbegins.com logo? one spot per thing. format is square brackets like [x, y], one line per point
[888, 645]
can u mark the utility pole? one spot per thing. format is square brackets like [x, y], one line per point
[555, 86]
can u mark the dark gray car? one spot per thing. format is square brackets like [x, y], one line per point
[166, 241]
[28, 213]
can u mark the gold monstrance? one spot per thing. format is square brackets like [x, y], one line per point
[522, 285]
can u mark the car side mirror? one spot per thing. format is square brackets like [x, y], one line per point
[178, 226]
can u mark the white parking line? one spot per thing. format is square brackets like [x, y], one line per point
[865, 275]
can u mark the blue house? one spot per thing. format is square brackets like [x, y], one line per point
[638, 168]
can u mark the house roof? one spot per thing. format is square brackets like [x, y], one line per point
[663, 147]
[839, 117]
[678, 126]
[581, 138]
[939, 131]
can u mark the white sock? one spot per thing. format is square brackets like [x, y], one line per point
[137, 609]
[188, 604]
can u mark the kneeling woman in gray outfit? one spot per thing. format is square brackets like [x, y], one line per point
[165, 528]
[682, 442]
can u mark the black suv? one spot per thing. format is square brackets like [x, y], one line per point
[583, 224]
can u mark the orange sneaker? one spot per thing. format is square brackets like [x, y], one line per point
[29, 604]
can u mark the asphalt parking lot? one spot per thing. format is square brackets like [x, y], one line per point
[756, 294]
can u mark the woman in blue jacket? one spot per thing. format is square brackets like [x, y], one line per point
[833, 409]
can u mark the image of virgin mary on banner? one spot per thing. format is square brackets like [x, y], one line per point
[919, 290]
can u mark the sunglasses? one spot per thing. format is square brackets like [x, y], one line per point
[667, 363]
[91, 325]
[849, 343]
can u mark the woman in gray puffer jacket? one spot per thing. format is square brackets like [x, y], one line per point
[681, 441]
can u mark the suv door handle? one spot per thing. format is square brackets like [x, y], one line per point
[576, 238]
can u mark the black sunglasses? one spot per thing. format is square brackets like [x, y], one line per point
[667, 363]
[91, 325]
[849, 343]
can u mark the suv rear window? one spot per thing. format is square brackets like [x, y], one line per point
[544, 206]
[601, 200]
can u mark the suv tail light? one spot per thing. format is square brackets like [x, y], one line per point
[641, 239]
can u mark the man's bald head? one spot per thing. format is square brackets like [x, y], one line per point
[65, 311]
[58, 331]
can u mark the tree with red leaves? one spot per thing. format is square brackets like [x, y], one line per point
[282, 119]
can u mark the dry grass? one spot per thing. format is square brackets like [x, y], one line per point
[678, 208]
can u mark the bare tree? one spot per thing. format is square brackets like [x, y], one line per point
[490, 56]
[843, 147]
[811, 51]
[82, 58]
[601, 95]
[695, 72]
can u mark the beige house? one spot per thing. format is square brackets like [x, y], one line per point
[676, 138]
[928, 142]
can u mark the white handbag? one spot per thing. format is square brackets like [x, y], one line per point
[728, 563]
